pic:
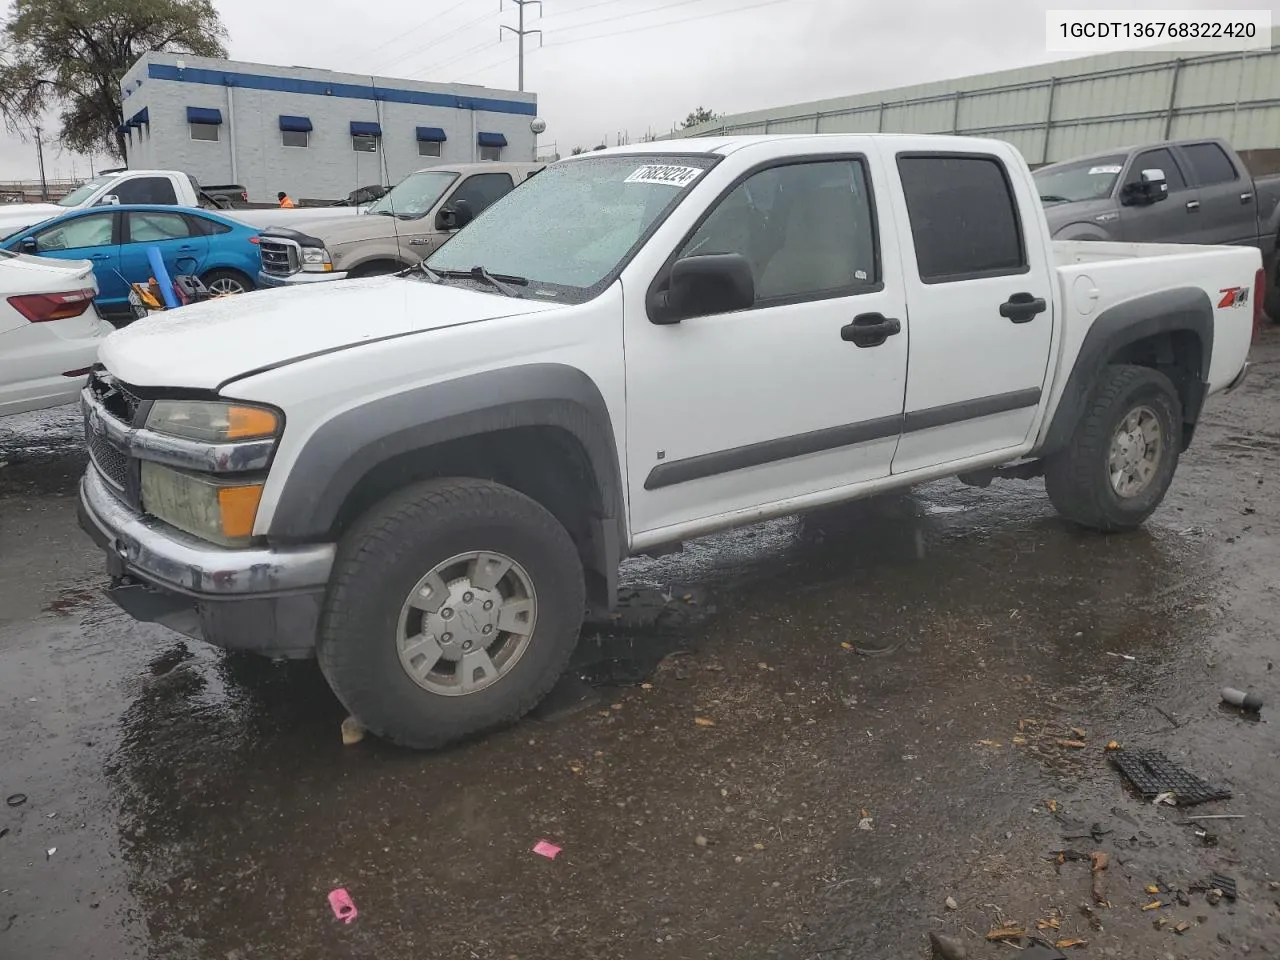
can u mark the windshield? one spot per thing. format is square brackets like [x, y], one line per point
[1079, 180]
[415, 195]
[570, 227]
[83, 192]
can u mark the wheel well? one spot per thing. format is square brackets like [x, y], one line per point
[1179, 355]
[371, 267]
[248, 281]
[546, 464]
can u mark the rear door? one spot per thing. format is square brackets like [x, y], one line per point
[182, 248]
[1175, 219]
[93, 237]
[1228, 210]
[980, 300]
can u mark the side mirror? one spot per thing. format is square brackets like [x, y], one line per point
[702, 286]
[28, 245]
[1151, 188]
[110, 200]
[455, 216]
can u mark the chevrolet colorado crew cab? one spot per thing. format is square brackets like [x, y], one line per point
[1178, 191]
[426, 480]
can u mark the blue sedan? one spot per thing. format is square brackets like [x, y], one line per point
[221, 251]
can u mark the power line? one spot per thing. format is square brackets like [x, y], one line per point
[638, 13]
[438, 40]
[589, 6]
[670, 23]
[454, 59]
[418, 29]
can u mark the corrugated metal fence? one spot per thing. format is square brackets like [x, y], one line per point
[1050, 118]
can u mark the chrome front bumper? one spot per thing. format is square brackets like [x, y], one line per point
[261, 599]
[298, 279]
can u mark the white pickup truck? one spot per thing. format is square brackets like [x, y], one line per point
[152, 186]
[426, 479]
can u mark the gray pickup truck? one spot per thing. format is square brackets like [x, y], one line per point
[1184, 191]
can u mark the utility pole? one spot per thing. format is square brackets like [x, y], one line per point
[44, 184]
[520, 31]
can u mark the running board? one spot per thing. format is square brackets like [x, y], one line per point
[1025, 470]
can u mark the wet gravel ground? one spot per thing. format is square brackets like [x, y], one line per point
[798, 741]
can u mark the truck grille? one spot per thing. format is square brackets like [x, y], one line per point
[279, 257]
[111, 463]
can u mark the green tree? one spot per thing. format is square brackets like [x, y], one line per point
[71, 55]
[701, 115]
[576, 151]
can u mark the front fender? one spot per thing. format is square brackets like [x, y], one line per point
[345, 449]
[1082, 230]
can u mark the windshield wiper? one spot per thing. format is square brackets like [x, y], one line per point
[501, 283]
[425, 271]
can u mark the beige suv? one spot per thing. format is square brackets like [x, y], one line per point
[396, 232]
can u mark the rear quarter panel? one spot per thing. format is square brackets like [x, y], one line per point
[1093, 277]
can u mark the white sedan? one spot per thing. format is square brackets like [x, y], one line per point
[49, 331]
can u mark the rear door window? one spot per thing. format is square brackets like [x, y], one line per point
[1209, 164]
[964, 217]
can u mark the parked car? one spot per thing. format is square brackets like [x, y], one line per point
[1178, 191]
[49, 331]
[163, 187]
[221, 251]
[399, 229]
[425, 479]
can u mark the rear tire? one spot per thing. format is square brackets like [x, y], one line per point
[1119, 463]
[453, 609]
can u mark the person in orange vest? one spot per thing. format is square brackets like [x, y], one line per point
[284, 199]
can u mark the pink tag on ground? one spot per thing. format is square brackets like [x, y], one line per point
[545, 848]
[343, 907]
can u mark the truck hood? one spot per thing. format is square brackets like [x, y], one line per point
[349, 229]
[205, 345]
[15, 216]
[1083, 211]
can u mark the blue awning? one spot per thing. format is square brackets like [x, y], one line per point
[360, 128]
[300, 124]
[491, 140]
[124, 128]
[431, 135]
[203, 115]
[139, 118]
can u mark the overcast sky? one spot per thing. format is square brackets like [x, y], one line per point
[610, 66]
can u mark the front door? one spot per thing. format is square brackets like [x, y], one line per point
[980, 294]
[1175, 219]
[478, 191]
[734, 411]
[93, 237]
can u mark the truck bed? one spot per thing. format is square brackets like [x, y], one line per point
[1095, 276]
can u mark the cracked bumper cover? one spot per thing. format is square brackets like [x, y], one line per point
[261, 599]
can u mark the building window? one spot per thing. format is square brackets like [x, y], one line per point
[295, 138]
[364, 143]
[490, 145]
[427, 148]
[204, 131]
[490, 153]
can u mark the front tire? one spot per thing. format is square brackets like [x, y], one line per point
[454, 608]
[1119, 463]
[226, 283]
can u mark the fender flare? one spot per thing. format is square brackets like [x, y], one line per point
[1082, 230]
[1182, 309]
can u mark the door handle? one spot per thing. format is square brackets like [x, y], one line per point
[419, 242]
[1023, 307]
[870, 329]
[1246, 197]
[1193, 204]
[100, 256]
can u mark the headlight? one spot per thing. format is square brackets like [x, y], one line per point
[211, 421]
[316, 260]
[218, 511]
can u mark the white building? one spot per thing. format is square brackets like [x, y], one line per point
[311, 133]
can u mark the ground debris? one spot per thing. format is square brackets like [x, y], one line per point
[947, 948]
[1007, 932]
[1153, 775]
[1099, 862]
[704, 722]
[352, 731]
[1073, 744]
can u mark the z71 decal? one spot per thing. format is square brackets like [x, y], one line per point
[1233, 297]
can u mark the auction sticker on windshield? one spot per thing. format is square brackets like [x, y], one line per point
[668, 174]
[1108, 168]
